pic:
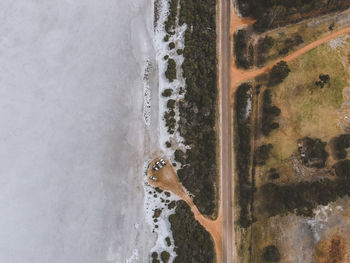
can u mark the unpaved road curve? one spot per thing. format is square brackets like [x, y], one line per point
[238, 76]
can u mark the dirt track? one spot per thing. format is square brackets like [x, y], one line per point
[238, 75]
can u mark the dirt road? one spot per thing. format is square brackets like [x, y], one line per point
[238, 75]
[226, 204]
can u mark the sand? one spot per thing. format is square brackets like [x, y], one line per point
[73, 137]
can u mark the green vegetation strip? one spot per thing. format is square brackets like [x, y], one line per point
[192, 242]
[198, 109]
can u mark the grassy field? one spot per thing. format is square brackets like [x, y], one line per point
[308, 110]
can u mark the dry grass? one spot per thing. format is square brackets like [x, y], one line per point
[310, 30]
[307, 110]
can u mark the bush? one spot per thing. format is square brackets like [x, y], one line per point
[168, 241]
[262, 154]
[339, 146]
[192, 242]
[313, 152]
[165, 256]
[171, 104]
[179, 51]
[170, 72]
[269, 113]
[271, 254]
[167, 92]
[168, 144]
[278, 73]
[243, 53]
[171, 45]
[155, 257]
[342, 169]
[170, 22]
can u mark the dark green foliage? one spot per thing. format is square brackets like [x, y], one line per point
[324, 79]
[170, 121]
[271, 254]
[170, 22]
[170, 72]
[166, 57]
[302, 197]
[171, 104]
[274, 176]
[157, 212]
[270, 14]
[168, 241]
[342, 169]
[339, 145]
[171, 45]
[166, 38]
[167, 92]
[278, 73]
[244, 58]
[171, 205]
[165, 256]
[243, 148]
[168, 144]
[269, 113]
[155, 257]
[192, 242]
[198, 110]
[262, 154]
[179, 51]
[313, 152]
[180, 156]
[158, 190]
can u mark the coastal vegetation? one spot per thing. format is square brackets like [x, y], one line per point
[192, 242]
[170, 72]
[198, 109]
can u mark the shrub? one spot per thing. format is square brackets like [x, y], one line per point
[171, 104]
[170, 73]
[167, 92]
[171, 45]
[262, 154]
[342, 169]
[271, 254]
[339, 146]
[269, 113]
[313, 152]
[168, 144]
[179, 51]
[278, 73]
[165, 256]
[168, 241]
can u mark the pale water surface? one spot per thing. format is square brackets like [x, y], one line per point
[71, 130]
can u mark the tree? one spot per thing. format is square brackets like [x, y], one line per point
[279, 72]
[324, 78]
[167, 92]
[271, 254]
